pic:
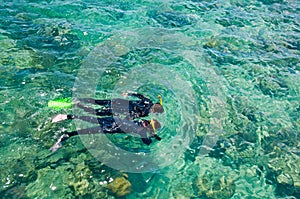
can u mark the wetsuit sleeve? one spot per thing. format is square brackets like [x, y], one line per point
[157, 137]
[95, 101]
[132, 127]
[92, 130]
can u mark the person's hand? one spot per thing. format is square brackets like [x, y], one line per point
[147, 141]
[125, 94]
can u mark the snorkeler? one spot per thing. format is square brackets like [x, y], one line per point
[131, 108]
[111, 125]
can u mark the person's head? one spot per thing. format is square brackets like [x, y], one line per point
[155, 124]
[157, 108]
[152, 125]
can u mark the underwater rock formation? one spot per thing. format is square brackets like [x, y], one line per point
[120, 186]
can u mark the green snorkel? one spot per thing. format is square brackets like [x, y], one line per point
[60, 103]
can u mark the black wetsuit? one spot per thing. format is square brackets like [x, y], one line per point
[132, 108]
[116, 125]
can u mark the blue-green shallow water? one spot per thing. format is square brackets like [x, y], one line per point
[245, 91]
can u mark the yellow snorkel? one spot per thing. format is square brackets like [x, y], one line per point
[152, 124]
[160, 99]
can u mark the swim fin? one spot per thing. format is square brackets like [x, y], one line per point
[58, 144]
[59, 117]
[60, 103]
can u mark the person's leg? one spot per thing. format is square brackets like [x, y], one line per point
[58, 144]
[117, 106]
[94, 120]
[101, 112]
[104, 112]
[93, 101]
[62, 117]
[65, 136]
[103, 102]
[90, 119]
[92, 130]
[86, 109]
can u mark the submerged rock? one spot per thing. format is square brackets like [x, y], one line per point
[120, 186]
[81, 185]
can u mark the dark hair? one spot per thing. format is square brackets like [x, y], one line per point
[157, 108]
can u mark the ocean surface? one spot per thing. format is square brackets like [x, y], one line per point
[228, 73]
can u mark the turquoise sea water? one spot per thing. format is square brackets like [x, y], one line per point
[228, 72]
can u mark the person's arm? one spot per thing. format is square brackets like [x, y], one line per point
[145, 138]
[130, 127]
[94, 101]
[143, 132]
[156, 137]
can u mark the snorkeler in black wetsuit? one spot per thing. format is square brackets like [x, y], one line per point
[112, 125]
[131, 108]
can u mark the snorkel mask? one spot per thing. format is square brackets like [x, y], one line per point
[154, 129]
[152, 124]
